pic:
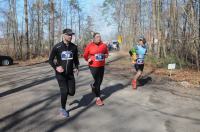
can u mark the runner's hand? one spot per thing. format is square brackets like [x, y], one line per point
[89, 60]
[76, 71]
[59, 69]
[106, 55]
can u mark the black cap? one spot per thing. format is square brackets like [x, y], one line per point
[68, 31]
[141, 37]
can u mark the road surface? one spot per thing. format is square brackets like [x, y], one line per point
[29, 100]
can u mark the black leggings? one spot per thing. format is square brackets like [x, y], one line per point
[97, 73]
[67, 87]
[139, 67]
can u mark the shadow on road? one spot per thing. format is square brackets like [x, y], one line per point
[19, 116]
[88, 98]
[86, 102]
[37, 82]
[196, 120]
[34, 83]
[24, 114]
[144, 81]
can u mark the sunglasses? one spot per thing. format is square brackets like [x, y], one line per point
[68, 34]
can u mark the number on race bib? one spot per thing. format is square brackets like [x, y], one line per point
[66, 55]
[99, 57]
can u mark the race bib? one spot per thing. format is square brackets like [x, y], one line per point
[99, 57]
[66, 55]
[140, 61]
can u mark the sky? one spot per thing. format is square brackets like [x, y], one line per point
[93, 8]
[89, 7]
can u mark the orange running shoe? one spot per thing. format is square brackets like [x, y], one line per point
[99, 102]
[134, 84]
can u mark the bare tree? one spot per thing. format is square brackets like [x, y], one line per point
[51, 24]
[29, 38]
[26, 29]
[174, 23]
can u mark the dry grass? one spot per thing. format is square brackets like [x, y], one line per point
[190, 76]
[184, 75]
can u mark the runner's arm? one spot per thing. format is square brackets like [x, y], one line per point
[86, 53]
[51, 58]
[106, 53]
[76, 60]
[130, 53]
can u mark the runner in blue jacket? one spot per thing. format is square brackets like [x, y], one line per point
[141, 50]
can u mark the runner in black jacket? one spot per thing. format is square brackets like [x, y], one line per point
[66, 63]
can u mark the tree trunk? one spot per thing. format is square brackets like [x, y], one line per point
[199, 40]
[26, 30]
[79, 24]
[51, 24]
[60, 17]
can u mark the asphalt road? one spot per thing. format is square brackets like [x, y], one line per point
[29, 101]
